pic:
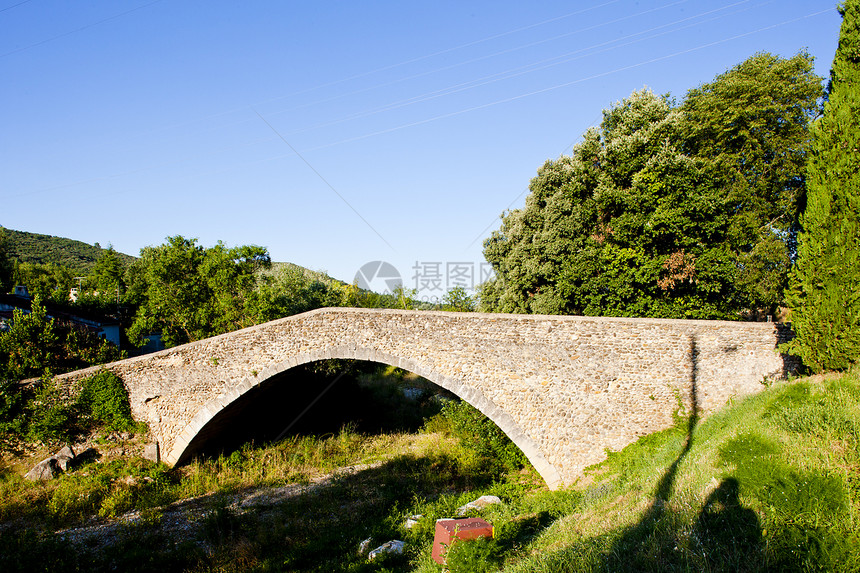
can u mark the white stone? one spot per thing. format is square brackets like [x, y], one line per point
[478, 504]
[65, 457]
[44, 470]
[394, 547]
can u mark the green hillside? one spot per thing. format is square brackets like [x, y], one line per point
[278, 268]
[36, 248]
[80, 257]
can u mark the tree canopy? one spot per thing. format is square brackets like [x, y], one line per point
[108, 273]
[825, 286]
[667, 210]
[188, 292]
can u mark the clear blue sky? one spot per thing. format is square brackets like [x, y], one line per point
[404, 129]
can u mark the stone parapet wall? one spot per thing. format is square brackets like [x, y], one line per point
[564, 388]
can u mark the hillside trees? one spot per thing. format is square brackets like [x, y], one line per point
[291, 290]
[825, 287]
[49, 281]
[188, 292]
[666, 210]
[107, 276]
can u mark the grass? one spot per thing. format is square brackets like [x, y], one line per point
[770, 483]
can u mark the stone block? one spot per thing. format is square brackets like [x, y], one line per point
[150, 452]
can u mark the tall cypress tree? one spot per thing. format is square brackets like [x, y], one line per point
[825, 287]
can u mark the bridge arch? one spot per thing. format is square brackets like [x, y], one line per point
[460, 388]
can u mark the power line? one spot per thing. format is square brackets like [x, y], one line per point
[524, 191]
[14, 6]
[529, 68]
[76, 30]
[318, 174]
[565, 84]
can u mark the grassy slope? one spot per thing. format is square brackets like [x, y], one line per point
[278, 267]
[771, 483]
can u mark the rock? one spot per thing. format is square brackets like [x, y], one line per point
[44, 470]
[150, 452]
[364, 546]
[394, 547]
[478, 504]
[65, 458]
[412, 521]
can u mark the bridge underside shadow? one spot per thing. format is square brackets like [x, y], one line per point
[283, 400]
[316, 399]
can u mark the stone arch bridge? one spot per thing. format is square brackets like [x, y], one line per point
[563, 388]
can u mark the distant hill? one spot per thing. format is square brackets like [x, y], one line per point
[36, 248]
[317, 275]
[80, 256]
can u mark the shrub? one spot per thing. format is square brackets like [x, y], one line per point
[50, 419]
[105, 400]
[478, 433]
[12, 403]
[77, 497]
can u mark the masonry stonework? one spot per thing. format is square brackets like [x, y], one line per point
[563, 388]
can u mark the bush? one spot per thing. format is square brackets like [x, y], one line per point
[12, 403]
[478, 433]
[104, 399]
[50, 419]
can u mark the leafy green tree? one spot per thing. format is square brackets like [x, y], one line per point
[751, 125]
[289, 291]
[825, 287]
[107, 276]
[32, 345]
[188, 292]
[657, 212]
[458, 299]
[84, 348]
[47, 280]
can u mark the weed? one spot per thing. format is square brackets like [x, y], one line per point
[482, 555]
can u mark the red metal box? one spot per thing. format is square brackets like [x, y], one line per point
[447, 530]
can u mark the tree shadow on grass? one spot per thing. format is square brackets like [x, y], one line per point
[723, 538]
